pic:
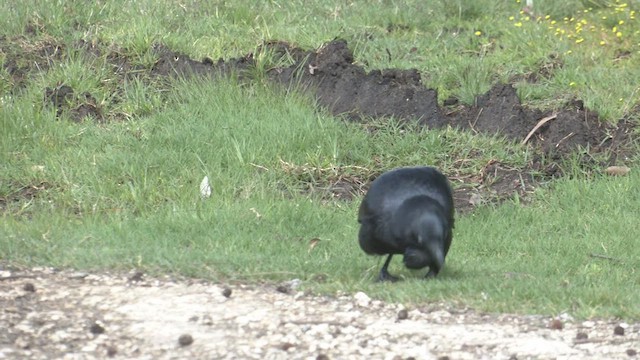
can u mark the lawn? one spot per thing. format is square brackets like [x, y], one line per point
[119, 189]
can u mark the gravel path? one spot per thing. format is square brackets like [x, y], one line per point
[48, 314]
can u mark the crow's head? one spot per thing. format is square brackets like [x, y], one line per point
[426, 248]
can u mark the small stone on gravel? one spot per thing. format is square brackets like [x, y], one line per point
[403, 314]
[322, 357]
[632, 352]
[96, 329]
[618, 330]
[78, 275]
[137, 276]
[111, 351]
[556, 324]
[582, 336]
[29, 287]
[185, 340]
[362, 299]
[226, 292]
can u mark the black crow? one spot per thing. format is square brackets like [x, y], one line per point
[408, 211]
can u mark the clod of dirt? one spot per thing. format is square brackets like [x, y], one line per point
[59, 96]
[444, 358]
[185, 340]
[403, 314]
[582, 336]
[29, 287]
[450, 101]
[63, 98]
[556, 324]
[346, 88]
[96, 329]
[286, 346]
[618, 330]
[137, 276]
[631, 352]
[322, 357]
[226, 292]
[283, 289]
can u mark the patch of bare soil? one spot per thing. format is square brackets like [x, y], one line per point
[22, 193]
[345, 88]
[47, 314]
[23, 55]
[63, 99]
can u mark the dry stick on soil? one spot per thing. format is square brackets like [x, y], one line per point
[538, 125]
[475, 121]
[565, 138]
[605, 257]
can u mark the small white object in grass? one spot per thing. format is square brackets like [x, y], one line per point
[258, 215]
[362, 299]
[205, 188]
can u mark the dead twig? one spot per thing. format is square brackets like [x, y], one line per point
[472, 126]
[600, 256]
[538, 125]
[15, 277]
[322, 322]
[596, 341]
[565, 138]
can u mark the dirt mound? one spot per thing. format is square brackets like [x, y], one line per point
[172, 63]
[345, 88]
[64, 100]
[499, 111]
[22, 56]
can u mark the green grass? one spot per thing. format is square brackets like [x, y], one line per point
[125, 194]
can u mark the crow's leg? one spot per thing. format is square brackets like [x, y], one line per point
[384, 273]
[431, 274]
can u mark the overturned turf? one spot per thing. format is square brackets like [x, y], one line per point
[346, 89]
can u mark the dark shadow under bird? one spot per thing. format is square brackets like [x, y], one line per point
[408, 211]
